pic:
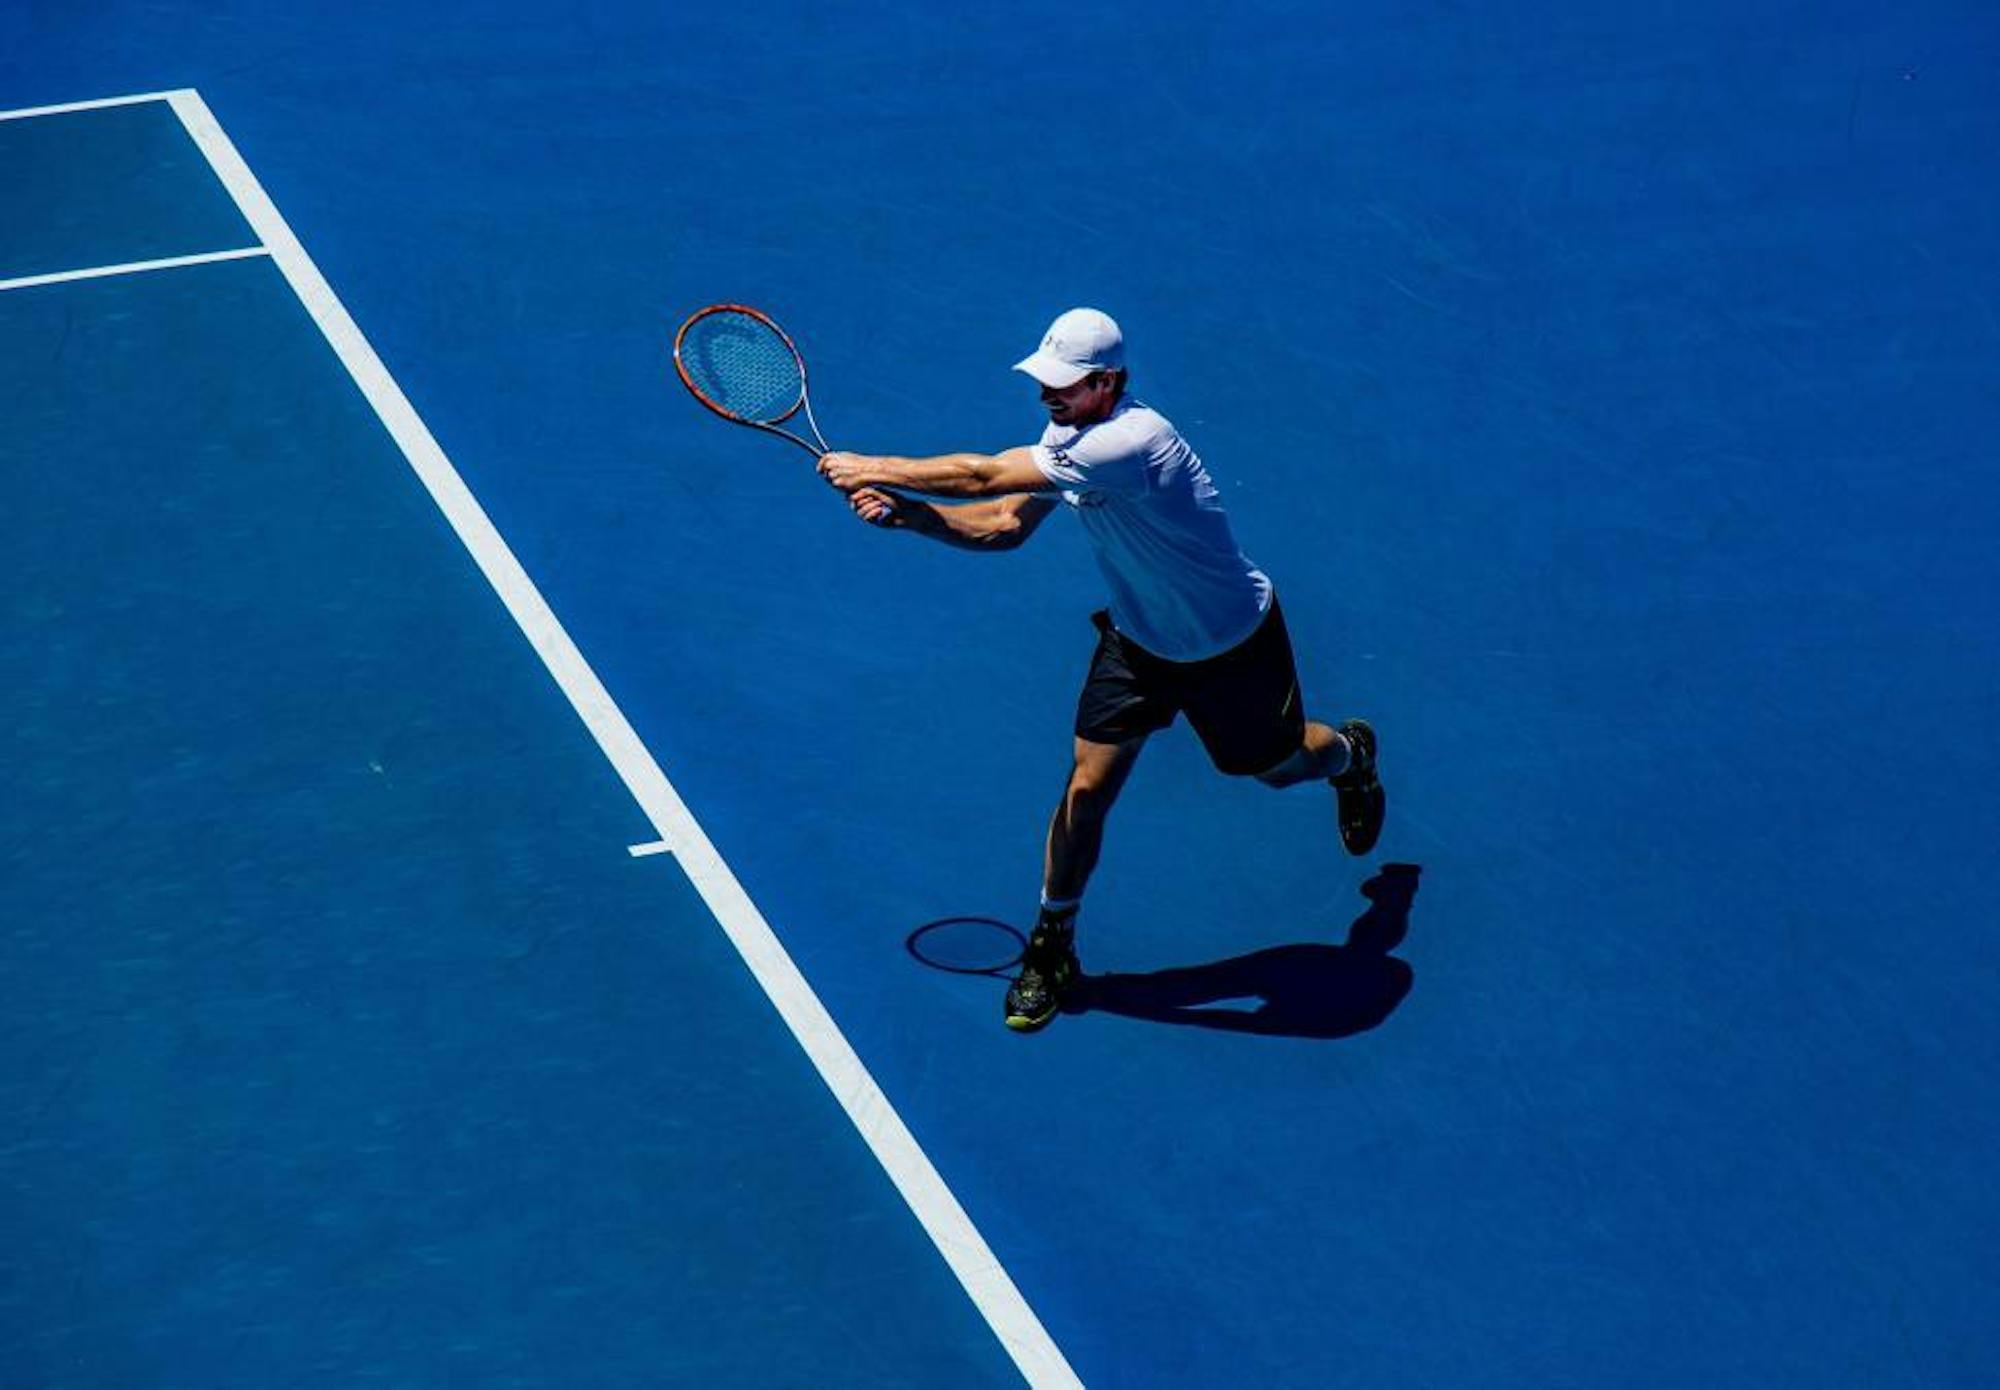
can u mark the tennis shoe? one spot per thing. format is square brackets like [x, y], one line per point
[1358, 791]
[1048, 968]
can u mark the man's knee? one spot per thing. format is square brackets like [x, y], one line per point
[1097, 773]
[1091, 788]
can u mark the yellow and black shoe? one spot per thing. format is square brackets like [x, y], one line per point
[1048, 968]
[1359, 791]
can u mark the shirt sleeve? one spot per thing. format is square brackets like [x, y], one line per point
[1104, 459]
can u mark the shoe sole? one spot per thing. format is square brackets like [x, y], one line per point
[1363, 806]
[1022, 1023]
[1367, 818]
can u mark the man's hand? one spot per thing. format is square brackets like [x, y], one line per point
[879, 508]
[846, 471]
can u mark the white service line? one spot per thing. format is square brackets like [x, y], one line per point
[98, 272]
[999, 1301]
[29, 112]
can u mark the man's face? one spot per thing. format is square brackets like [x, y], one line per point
[1085, 403]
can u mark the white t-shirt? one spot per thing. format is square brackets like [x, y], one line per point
[1180, 585]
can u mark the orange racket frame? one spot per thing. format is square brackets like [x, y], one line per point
[818, 445]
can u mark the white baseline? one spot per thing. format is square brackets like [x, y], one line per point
[98, 272]
[29, 112]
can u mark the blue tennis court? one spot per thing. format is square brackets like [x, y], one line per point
[470, 809]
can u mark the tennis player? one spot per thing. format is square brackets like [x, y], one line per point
[1193, 627]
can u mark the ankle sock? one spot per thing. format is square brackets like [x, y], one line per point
[1058, 913]
[1346, 751]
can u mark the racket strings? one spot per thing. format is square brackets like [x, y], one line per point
[743, 366]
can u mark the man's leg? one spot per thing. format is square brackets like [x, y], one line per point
[1076, 831]
[1246, 706]
[1344, 757]
[1076, 834]
[1324, 755]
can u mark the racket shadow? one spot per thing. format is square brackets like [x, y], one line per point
[1305, 990]
[968, 946]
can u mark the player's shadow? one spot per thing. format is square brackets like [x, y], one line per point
[1303, 991]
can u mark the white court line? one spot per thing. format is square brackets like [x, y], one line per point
[1020, 1332]
[28, 112]
[98, 272]
[647, 851]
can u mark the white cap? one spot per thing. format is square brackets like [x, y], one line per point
[1078, 343]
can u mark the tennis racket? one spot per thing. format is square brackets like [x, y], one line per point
[736, 361]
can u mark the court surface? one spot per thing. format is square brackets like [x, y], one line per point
[468, 806]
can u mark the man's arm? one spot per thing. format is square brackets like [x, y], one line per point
[999, 524]
[946, 475]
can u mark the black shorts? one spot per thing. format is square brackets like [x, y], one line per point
[1244, 703]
